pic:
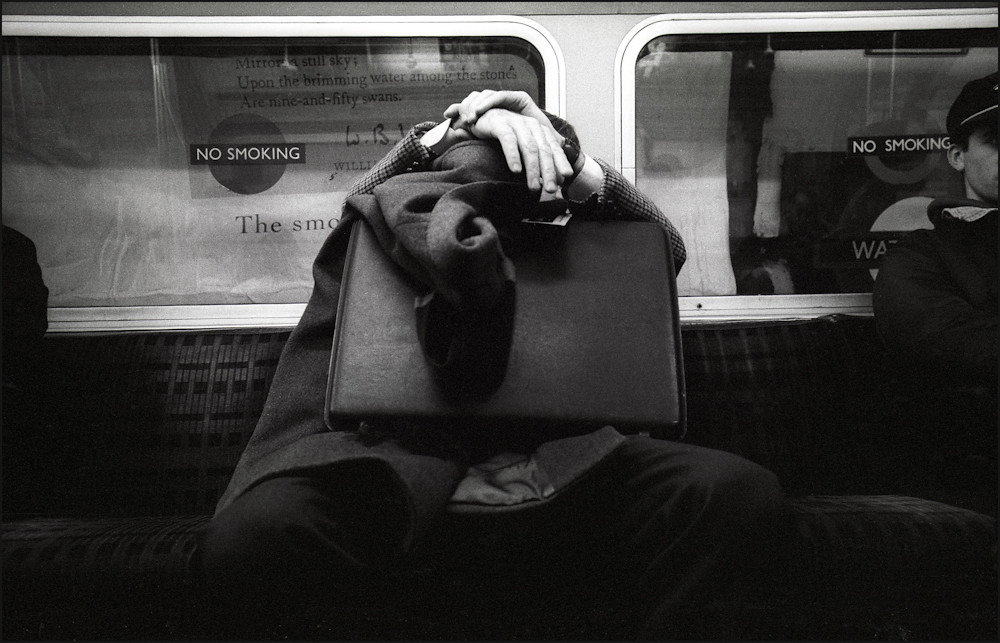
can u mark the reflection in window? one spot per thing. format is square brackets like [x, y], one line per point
[208, 171]
[792, 161]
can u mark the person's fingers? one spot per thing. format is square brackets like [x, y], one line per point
[545, 156]
[531, 153]
[528, 146]
[542, 155]
[515, 101]
[478, 103]
[553, 166]
[511, 150]
[518, 142]
[563, 167]
[452, 110]
[463, 115]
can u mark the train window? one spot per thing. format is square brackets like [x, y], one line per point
[792, 150]
[183, 172]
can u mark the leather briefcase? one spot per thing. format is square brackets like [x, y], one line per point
[595, 338]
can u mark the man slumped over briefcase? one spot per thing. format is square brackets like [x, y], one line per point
[481, 410]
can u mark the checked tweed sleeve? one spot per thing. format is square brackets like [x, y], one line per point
[408, 155]
[619, 199]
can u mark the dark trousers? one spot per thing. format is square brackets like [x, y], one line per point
[635, 550]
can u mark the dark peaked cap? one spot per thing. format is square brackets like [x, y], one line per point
[977, 103]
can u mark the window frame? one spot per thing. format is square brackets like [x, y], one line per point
[695, 309]
[99, 319]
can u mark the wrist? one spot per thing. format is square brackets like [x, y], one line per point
[586, 181]
[576, 158]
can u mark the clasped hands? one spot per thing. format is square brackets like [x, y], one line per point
[529, 141]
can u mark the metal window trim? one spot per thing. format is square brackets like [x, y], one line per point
[738, 307]
[693, 310]
[187, 317]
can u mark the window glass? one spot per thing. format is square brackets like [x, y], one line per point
[792, 161]
[188, 170]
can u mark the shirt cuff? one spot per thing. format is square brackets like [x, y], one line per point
[589, 181]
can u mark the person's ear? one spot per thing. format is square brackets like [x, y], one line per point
[956, 158]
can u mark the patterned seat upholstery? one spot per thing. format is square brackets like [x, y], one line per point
[141, 425]
[119, 463]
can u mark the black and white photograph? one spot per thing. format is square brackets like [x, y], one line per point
[499, 321]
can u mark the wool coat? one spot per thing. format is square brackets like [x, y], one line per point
[422, 474]
[935, 296]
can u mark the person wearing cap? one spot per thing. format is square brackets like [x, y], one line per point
[935, 297]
